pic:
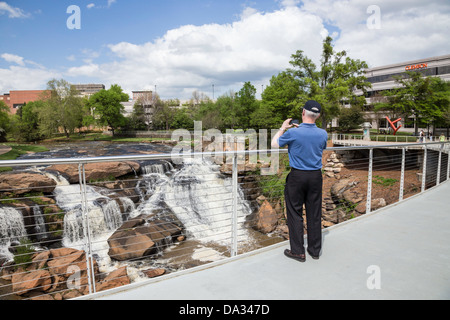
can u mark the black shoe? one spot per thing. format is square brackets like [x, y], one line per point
[314, 257]
[298, 257]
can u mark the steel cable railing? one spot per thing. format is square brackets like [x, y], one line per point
[60, 240]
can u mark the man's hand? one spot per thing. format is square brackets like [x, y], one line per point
[286, 125]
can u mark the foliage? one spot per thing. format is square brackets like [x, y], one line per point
[426, 98]
[107, 108]
[332, 83]
[385, 182]
[62, 110]
[5, 121]
[24, 253]
[25, 123]
[350, 118]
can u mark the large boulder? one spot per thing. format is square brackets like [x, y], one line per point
[25, 182]
[337, 190]
[50, 271]
[266, 218]
[97, 171]
[138, 238]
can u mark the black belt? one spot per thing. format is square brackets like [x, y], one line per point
[294, 169]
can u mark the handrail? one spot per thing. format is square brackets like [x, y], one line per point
[232, 202]
[170, 156]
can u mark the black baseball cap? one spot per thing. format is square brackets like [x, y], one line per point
[312, 106]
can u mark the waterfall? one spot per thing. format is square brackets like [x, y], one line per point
[39, 224]
[103, 214]
[12, 229]
[161, 167]
[201, 199]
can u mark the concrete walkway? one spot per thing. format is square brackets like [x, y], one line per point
[399, 252]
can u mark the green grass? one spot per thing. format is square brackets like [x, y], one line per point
[385, 182]
[17, 150]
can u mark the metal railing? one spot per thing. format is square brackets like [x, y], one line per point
[386, 138]
[71, 227]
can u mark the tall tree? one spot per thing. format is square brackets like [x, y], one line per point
[107, 107]
[25, 123]
[425, 98]
[4, 121]
[332, 84]
[62, 110]
[246, 104]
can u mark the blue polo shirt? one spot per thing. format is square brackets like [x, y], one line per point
[305, 146]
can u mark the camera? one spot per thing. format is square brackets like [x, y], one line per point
[294, 121]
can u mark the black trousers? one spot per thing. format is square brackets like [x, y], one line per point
[304, 187]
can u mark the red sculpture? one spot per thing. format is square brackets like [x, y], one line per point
[392, 123]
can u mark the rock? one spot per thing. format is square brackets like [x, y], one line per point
[340, 186]
[115, 279]
[374, 205]
[25, 182]
[266, 218]
[153, 273]
[96, 171]
[352, 196]
[137, 238]
[23, 282]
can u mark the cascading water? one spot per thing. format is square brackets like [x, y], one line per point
[104, 214]
[200, 198]
[12, 229]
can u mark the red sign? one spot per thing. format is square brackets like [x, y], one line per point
[416, 66]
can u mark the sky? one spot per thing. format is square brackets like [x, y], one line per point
[214, 47]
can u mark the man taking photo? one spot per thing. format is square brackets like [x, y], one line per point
[306, 143]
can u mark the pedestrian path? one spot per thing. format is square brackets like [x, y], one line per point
[398, 252]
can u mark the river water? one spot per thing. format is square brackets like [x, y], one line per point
[195, 191]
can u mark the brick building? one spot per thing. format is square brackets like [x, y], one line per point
[17, 98]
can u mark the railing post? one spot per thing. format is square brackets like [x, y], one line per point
[369, 183]
[448, 161]
[424, 169]
[234, 213]
[87, 232]
[402, 175]
[438, 178]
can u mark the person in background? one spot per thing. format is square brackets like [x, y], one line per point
[306, 143]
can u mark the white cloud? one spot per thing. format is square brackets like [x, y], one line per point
[409, 30]
[90, 5]
[190, 57]
[110, 2]
[24, 78]
[13, 58]
[11, 11]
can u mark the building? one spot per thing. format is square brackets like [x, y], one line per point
[382, 78]
[143, 98]
[17, 98]
[87, 90]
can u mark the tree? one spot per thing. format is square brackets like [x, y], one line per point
[332, 84]
[107, 107]
[4, 121]
[25, 123]
[164, 113]
[138, 118]
[350, 118]
[280, 98]
[424, 98]
[62, 110]
[246, 104]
